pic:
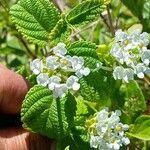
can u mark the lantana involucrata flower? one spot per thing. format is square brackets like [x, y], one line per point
[59, 71]
[106, 131]
[131, 52]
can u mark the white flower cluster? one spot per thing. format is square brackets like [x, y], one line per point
[110, 132]
[55, 69]
[130, 50]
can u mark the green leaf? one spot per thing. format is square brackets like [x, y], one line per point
[35, 19]
[80, 139]
[87, 50]
[47, 116]
[82, 113]
[59, 33]
[146, 16]
[134, 99]
[135, 6]
[86, 11]
[141, 128]
[141, 9]
[7, 50]
[97, 88]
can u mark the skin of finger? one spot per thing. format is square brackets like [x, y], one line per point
[19, 139]
[13, 89]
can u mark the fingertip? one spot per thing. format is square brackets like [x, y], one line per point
[13, 88]
[20, 139]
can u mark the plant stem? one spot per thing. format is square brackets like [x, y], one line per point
[110, 21]
[145, 145]
[59, 5]
[5, 8]
[105, 21]
[26, 46]
[60, 142]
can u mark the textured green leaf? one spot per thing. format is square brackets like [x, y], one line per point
[43, 114]
[134, 99]
[141, 128]
[86, 11]
[80, 140]
[82, 113]
[96, 88]
[87, 50]
[59, 33]
[35, 19]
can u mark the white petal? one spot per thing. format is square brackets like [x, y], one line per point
[118, 73]
[76, 86]
[72, 83]
[36, 66]
[125, 141]
[60, 49]
[52, 62]
[116, 146]
[79, 74]
[53, 81]
[140, 75]
[94, 141]
[86, 71]
[120, 35]
[125, 127]
[118, 112]
[77, 62]
[128, 74]
[60, 90]
[42, 79]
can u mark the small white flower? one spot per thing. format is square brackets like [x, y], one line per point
[125, 127]
[146, 57]
[128, 74]
[120, 55]
[36, 66]
[118, 73]
[65, 62]
[83, 72]
[121, 36]
[113, 119]
[144, 39]
[72, 83]
[42, 79]
[60, 90]
[134, 38]
[140, 70]
[60, 49]
[52, 62]
[125, 141]
[103, 114]
[53, 81]
[77, 62]
[94, 141]
[110, 131]
[131, 50]
[114, 145]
